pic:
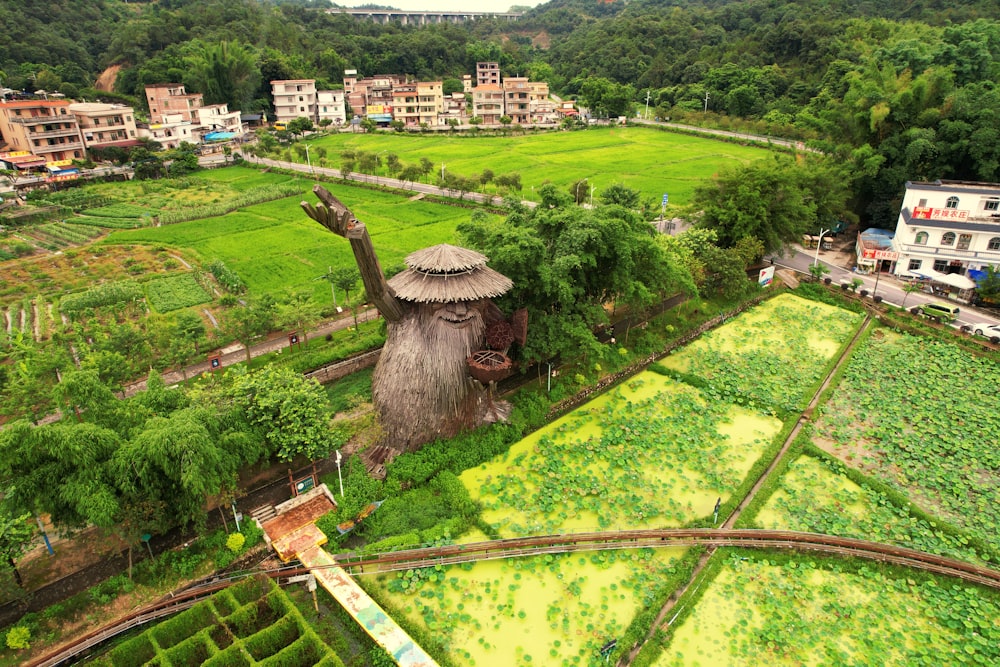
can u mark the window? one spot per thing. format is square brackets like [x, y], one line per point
[914, 264]
[921, 238]
[941, 265]
[952, 202]
[948, 238]
[994, 243]
[964, 240]
[992, 205]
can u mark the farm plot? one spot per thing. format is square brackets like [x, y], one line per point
[650, 453]
[254, 618]
[174, 293]
[633, 156]
[924, 416]
[816, 495]
[80, 268]
[543, 610]
[274, 246]
[768, 357]
[759, 611]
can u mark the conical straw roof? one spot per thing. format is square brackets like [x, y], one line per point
[445, 273]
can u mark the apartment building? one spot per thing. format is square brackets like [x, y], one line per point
[454, 109]
[44, 128]
[170, 99]
[487, 103]
[294, 98]
[487, 74]
[404, 104]
[420, 102]
[517, 99]
[104, 125]
[330, 105]
[948, 227]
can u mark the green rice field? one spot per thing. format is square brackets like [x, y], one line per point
[648, 160]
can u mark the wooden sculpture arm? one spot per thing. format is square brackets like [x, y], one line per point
[336, 217]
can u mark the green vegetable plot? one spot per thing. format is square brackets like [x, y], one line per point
[756, 612]
[770, 356]
[924, 416]
[175, 292]
[650, 453]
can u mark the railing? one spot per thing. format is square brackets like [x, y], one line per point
[986, 255]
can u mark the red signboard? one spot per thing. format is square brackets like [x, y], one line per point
[927, 213]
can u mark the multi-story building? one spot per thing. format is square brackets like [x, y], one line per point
[105, 124]
[172, 131]
[542, 108]
[487, 103]
[404, 104]
[218, 118]
[45, 128]
[170, 99]
[330, 105]
[948, 227]
[454, 109]
[294, 98]
[517, 99]
[487, 74]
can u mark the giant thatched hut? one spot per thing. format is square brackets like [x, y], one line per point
[437, 310]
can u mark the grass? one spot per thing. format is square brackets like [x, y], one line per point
[274, 246]
[648, 160]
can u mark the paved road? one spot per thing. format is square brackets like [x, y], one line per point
[885, 285]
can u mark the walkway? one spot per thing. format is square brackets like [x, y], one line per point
[293, 535]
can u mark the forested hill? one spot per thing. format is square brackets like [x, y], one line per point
[897, 89]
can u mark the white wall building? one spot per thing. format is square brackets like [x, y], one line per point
[294, 98]
[948, 227]
[218, 118]
[330, 104]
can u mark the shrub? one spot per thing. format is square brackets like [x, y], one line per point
[235, 542]
[18, 637]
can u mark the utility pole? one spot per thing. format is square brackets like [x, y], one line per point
[706, 101]
[646, 115]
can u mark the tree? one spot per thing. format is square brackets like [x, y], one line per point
[579, 190]
[617, 194]
[247, 322]
[775, 202]
[817, 271]
[566, 262]
[15, 536]
[908, 290]
[289, 411]
[299, 310]
[346, 278]
[224, 72]
[190, 327]
[299, 126]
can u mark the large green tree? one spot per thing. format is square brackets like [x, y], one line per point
[224, 72]
[567, 262]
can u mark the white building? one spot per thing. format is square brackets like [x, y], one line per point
[948, 227]
[218, 118]
[172, 131]
[330, 104]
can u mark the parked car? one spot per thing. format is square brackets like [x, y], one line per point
[939, 312]
[991, 331]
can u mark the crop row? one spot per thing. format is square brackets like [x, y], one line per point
[118, 211]
[116, 223]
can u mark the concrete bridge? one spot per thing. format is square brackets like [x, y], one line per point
[423, 18]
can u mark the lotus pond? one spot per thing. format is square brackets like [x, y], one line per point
[652, 452]
[556, 609]
[803, 612]
[770, 355]
[922, 415]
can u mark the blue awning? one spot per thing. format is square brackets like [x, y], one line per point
[219, 136]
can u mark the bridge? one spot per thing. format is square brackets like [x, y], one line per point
[423, 18]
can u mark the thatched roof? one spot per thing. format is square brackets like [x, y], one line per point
[445, 273]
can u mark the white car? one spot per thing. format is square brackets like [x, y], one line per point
[990, 331]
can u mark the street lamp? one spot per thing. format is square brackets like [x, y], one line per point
[308, 161]
[822, 232]
[339, 477]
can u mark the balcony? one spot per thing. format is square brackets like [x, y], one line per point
[948, 252]
[50, 134]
